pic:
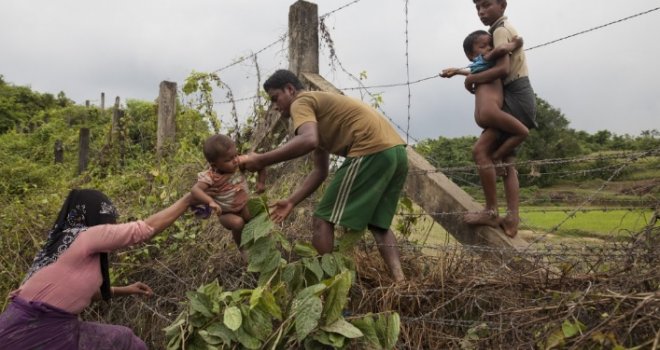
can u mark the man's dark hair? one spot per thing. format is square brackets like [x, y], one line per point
[215, 146]
[282, 77]
[468, 43]
[498, 1]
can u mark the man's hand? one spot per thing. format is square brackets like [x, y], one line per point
[280, 210]
[251, 162]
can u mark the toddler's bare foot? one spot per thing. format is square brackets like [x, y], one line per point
[500, 168]
[509, 225]
[486, 217]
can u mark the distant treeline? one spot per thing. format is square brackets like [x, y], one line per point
[553, 139]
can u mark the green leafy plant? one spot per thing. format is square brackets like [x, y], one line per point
[295, 304]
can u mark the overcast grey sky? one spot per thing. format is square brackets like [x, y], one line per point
[605, 79]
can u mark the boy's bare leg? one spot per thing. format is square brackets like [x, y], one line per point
[481, 152]
[389, 251]
[235, 224]
[324, 236]
[512, 192]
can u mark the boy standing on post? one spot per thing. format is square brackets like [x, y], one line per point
[365, 190]
[519, 101]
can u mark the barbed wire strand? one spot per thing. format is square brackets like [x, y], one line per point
[407, 74]
[528, 49]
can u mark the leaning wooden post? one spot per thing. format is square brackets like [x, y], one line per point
[59, 152]
[166, 118]
[83, 150]
[303, 38]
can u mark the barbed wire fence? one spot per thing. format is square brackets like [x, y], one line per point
[580, 256]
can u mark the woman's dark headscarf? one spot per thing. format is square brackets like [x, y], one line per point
[81, 209]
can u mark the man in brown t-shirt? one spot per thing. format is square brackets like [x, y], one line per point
[364, 191]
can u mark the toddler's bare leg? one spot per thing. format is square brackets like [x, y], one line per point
[235, 224]
[489, 101]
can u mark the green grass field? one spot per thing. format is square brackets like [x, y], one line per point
[588, 223]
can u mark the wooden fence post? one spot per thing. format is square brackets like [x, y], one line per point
[103, 101]
[83, 150]
[303, 37]
[59, 152]
[166, 118]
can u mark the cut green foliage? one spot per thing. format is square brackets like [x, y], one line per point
[295, 304]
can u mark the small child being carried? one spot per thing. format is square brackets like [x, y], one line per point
[489, 97]
[229, 185]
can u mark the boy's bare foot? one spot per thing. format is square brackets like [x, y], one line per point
[486, 217]
[509, 225]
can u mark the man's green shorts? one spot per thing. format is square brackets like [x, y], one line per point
[365, 190]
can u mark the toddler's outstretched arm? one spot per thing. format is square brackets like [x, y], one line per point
[450, 72]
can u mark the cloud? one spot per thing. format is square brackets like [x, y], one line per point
[600, 80]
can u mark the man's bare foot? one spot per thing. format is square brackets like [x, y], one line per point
[486, 217]
[509, 225]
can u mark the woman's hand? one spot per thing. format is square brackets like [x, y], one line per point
[137, 288]
[280, 210]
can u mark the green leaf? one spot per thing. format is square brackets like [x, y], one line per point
[329, 264]
[348, 240]
[175, 327]
[221, 331]
[570, 329]
[308, 313]
[344, 328]
[260, 254]
[555, 340]
[233, 318]
[247, 340]
[367, 326]
[258, 324]
[257, 205]
[305, 250]
[256, 228]
[337, 297]
[310, 291]
[256, 296]
[200, 303]
[387, 329]
[208, 338]
[313, 265]
[269, 304]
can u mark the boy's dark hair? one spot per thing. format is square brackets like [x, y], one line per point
[282, 77]
[468, 43]
[498, 1]
[215, 146]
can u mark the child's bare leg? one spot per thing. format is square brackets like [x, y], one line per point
[235, 224]
[489, 101]
[512, 192]
[481, 153]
